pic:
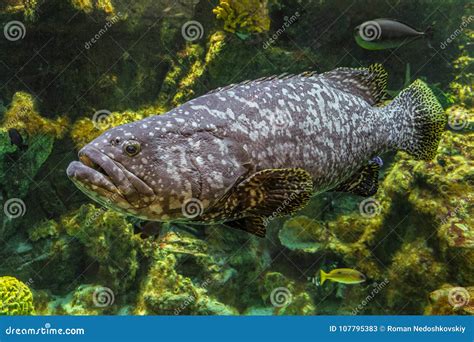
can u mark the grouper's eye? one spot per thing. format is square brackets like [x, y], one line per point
[131, 147]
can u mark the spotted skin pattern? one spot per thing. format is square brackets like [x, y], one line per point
[327, 125]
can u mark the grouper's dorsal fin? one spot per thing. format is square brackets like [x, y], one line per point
[364, 182]
[369, 83]
[281, 77]
[267, 193]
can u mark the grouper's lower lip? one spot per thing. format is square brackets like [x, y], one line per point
[87, 175]
[102, 174]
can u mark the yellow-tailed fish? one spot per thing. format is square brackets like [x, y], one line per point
[343, 276]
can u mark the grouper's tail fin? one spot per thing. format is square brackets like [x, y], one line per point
[422, 121]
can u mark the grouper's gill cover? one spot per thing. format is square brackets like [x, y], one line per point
[259, 149]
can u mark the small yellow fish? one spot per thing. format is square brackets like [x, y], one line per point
[343, 276]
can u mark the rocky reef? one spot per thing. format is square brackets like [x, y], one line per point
[112, 62]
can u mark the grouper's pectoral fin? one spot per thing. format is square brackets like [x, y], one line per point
[364, 182]
[253, 225]
[268, 193]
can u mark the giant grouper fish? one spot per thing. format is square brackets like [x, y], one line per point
[246, 152]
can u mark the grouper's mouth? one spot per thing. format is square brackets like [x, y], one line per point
[104, 179]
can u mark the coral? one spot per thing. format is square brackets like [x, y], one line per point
[413, 273]
[247, 16]
[86, 299]
[284, 296]
[193, 56]
[28, 7]
[108, 241]
[22, 115]
[88, 6]
[15, 297]
[164, 291]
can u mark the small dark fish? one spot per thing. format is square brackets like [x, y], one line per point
[16, 138]
[148, 229]
[381, 34]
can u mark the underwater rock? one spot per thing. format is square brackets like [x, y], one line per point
[413, 273]
[109, 243]
[165, 292]
[303, 234]
[23, 116]
[86, 299]
[15, 297]
[451, 300]
[285, 297]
